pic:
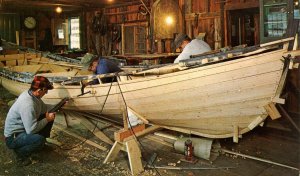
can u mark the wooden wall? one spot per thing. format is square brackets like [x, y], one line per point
[234, 5]
[199, 17]
[203, 17]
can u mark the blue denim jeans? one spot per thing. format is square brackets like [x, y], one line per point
[25, 144]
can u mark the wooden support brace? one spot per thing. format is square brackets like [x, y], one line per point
[235, 134]
[256, 122]
[143, 132]
[126, 141]
[112, 155]
[125, 133]
[134, 155]
[272, 111]
[295, 46]
[280, 87]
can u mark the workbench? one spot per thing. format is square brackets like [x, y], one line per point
[148, 59]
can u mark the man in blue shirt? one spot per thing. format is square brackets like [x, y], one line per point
[100, 66]
[28, 122]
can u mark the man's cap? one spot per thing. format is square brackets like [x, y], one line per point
[178, 40]
[86, 60]
[41, 82]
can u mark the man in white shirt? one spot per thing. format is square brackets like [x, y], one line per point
[189, 47]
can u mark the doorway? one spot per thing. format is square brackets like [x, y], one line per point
[243, 27]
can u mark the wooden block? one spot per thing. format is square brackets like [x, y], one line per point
[144, 132]
[272, 111]
[122, 134]
[278, 100]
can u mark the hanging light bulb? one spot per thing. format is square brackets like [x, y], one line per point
[58, 9]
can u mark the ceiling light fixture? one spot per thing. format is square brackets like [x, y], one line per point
[169, 20]
[58, 10]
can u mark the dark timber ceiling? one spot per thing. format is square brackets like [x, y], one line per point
[67, 5]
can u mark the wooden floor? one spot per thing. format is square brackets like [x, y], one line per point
[275, 142]
[279, 145]
[266, 143]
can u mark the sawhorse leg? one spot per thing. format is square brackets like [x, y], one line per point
[134, 154]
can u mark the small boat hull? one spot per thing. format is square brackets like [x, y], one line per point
[210, 101]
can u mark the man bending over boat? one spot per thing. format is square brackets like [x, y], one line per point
[100, 66]
[189, 47]
[28, 122]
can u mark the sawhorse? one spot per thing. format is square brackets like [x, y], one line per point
[126, 140]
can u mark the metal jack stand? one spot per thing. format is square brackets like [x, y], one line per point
[188, 152]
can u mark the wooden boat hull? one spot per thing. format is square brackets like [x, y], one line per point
[210, 101]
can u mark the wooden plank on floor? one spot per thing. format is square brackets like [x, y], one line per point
[94, 129]
[82, 139]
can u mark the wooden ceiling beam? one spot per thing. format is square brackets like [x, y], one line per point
[37, 3]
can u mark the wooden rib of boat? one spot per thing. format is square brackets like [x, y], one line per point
[219, 100]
